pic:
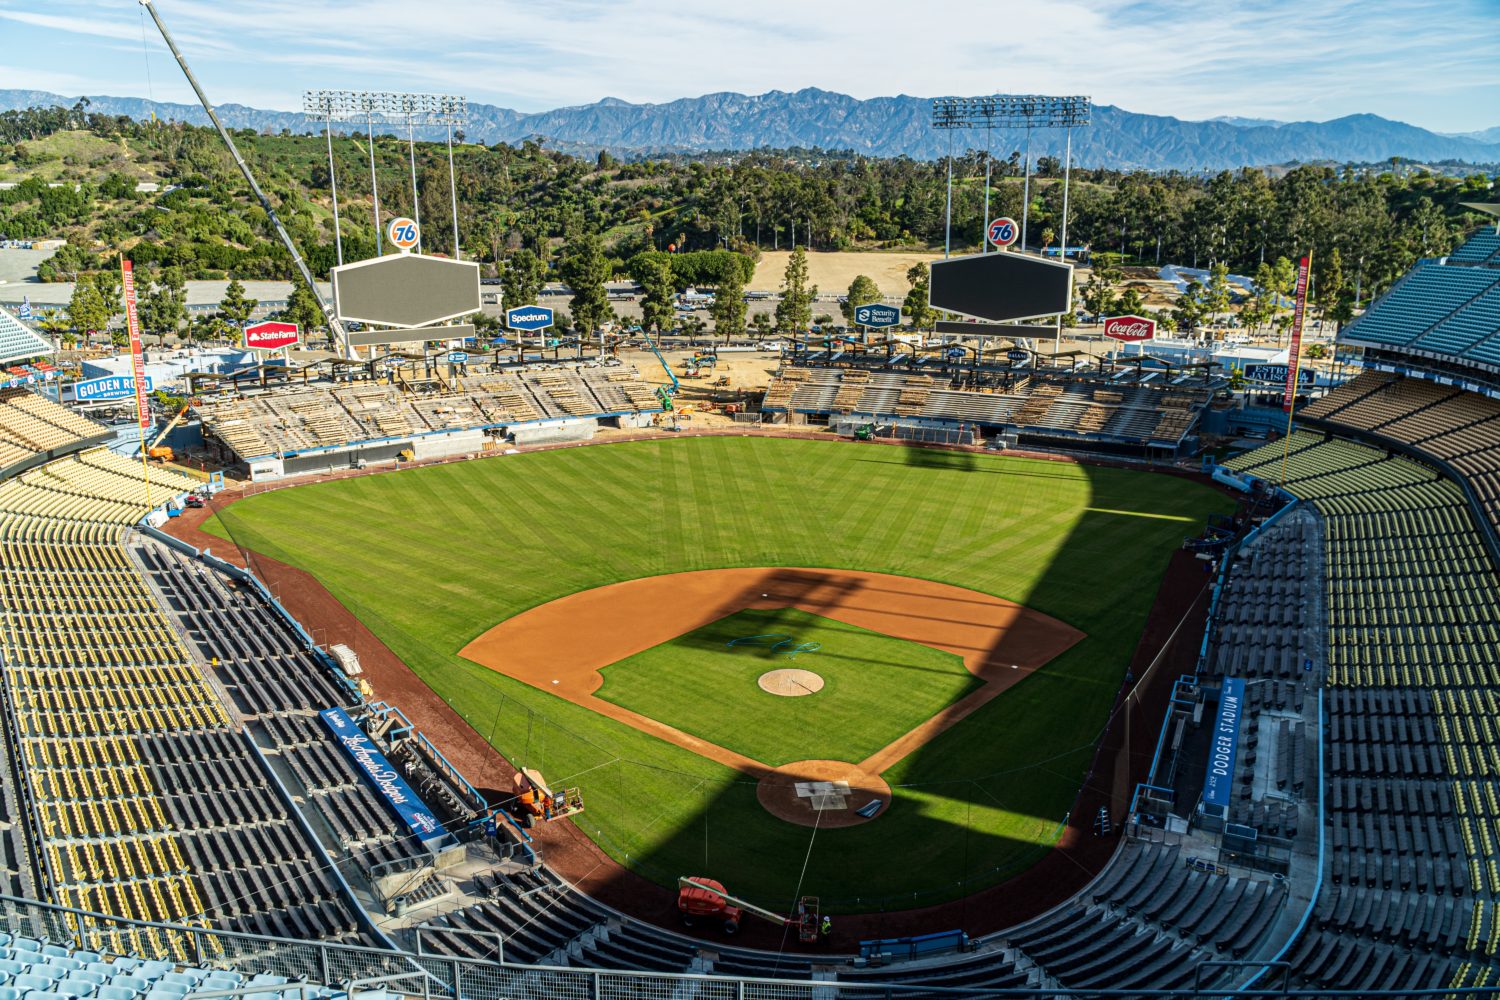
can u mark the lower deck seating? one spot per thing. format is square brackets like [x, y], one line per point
[1413, 644]
[141, 800]
[279, 684]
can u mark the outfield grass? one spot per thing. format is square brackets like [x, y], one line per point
[432, 558]
[875, 687]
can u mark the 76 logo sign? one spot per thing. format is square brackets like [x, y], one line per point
[403, 233]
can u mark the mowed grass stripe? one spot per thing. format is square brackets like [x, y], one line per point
[876, 687]
[562, 521]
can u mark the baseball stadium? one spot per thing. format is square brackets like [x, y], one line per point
[969, 672]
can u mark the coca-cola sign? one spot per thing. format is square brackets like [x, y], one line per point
[1129, 328]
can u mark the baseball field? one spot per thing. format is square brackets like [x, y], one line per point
[672, 625]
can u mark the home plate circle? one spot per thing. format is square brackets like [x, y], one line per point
[790, 682]
[823, 793]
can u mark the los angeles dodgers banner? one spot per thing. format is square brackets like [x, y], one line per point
[380, 773]
[137, 363]
[1294, 357]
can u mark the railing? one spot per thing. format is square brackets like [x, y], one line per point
[437, 976]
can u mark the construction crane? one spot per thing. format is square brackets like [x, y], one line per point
[706, 898]
[164, 452]
[676, 385]
[335, 327]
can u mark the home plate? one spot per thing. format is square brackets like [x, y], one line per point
[825, 793]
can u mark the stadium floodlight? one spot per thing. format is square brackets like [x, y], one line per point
[389, 108]
[1026, 111]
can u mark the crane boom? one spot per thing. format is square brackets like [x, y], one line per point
[664, 366]
[168, 429]
[334, 326]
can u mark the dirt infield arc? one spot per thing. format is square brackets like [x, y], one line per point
[562, 646]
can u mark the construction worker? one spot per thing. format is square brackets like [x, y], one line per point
[826, 927]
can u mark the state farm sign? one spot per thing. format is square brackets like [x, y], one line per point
[269, 336]
[1129, 328]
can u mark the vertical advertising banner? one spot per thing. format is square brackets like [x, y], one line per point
[137, 364]
[1294, 356]
[1218, 779]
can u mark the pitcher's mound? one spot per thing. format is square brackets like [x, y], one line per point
[838, 792]
[790, 682]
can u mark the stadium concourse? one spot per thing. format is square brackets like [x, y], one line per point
[1322, 804]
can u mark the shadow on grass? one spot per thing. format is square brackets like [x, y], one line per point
[981, 802]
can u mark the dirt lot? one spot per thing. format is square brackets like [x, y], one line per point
[833, 271]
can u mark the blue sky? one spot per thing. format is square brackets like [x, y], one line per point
[1433, 64]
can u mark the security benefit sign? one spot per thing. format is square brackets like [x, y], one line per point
[877, 316]
[1224, 739]
[382, 774]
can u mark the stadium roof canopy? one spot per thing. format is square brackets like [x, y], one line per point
[1445, 310]
[18, 341]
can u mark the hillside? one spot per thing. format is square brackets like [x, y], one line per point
[169, 195]
[884, 126]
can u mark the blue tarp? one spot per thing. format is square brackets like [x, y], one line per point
[379, 772]
[1218, 780]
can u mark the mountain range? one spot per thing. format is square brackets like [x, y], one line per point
[885, 126]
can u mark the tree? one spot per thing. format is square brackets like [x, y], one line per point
[165, 307]
[521, 279]
[1048, 236]
[1131, 302]
[54, 324]
[654, 274]
[86, 309]
[303, 309]
[1331, 286]
[1216, 294]
[1099, 292]
[762, 323]
[211, 329]
[1190, 310]
[585, 269]
[862, 291]
[728, 309]
[234, 306]
[1274, 283]
[794, 311]
[917, 305]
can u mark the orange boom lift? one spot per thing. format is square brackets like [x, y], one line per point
[701, 898]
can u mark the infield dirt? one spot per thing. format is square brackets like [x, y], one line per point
[562, 646]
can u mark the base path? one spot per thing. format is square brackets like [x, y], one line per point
[562, 646]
